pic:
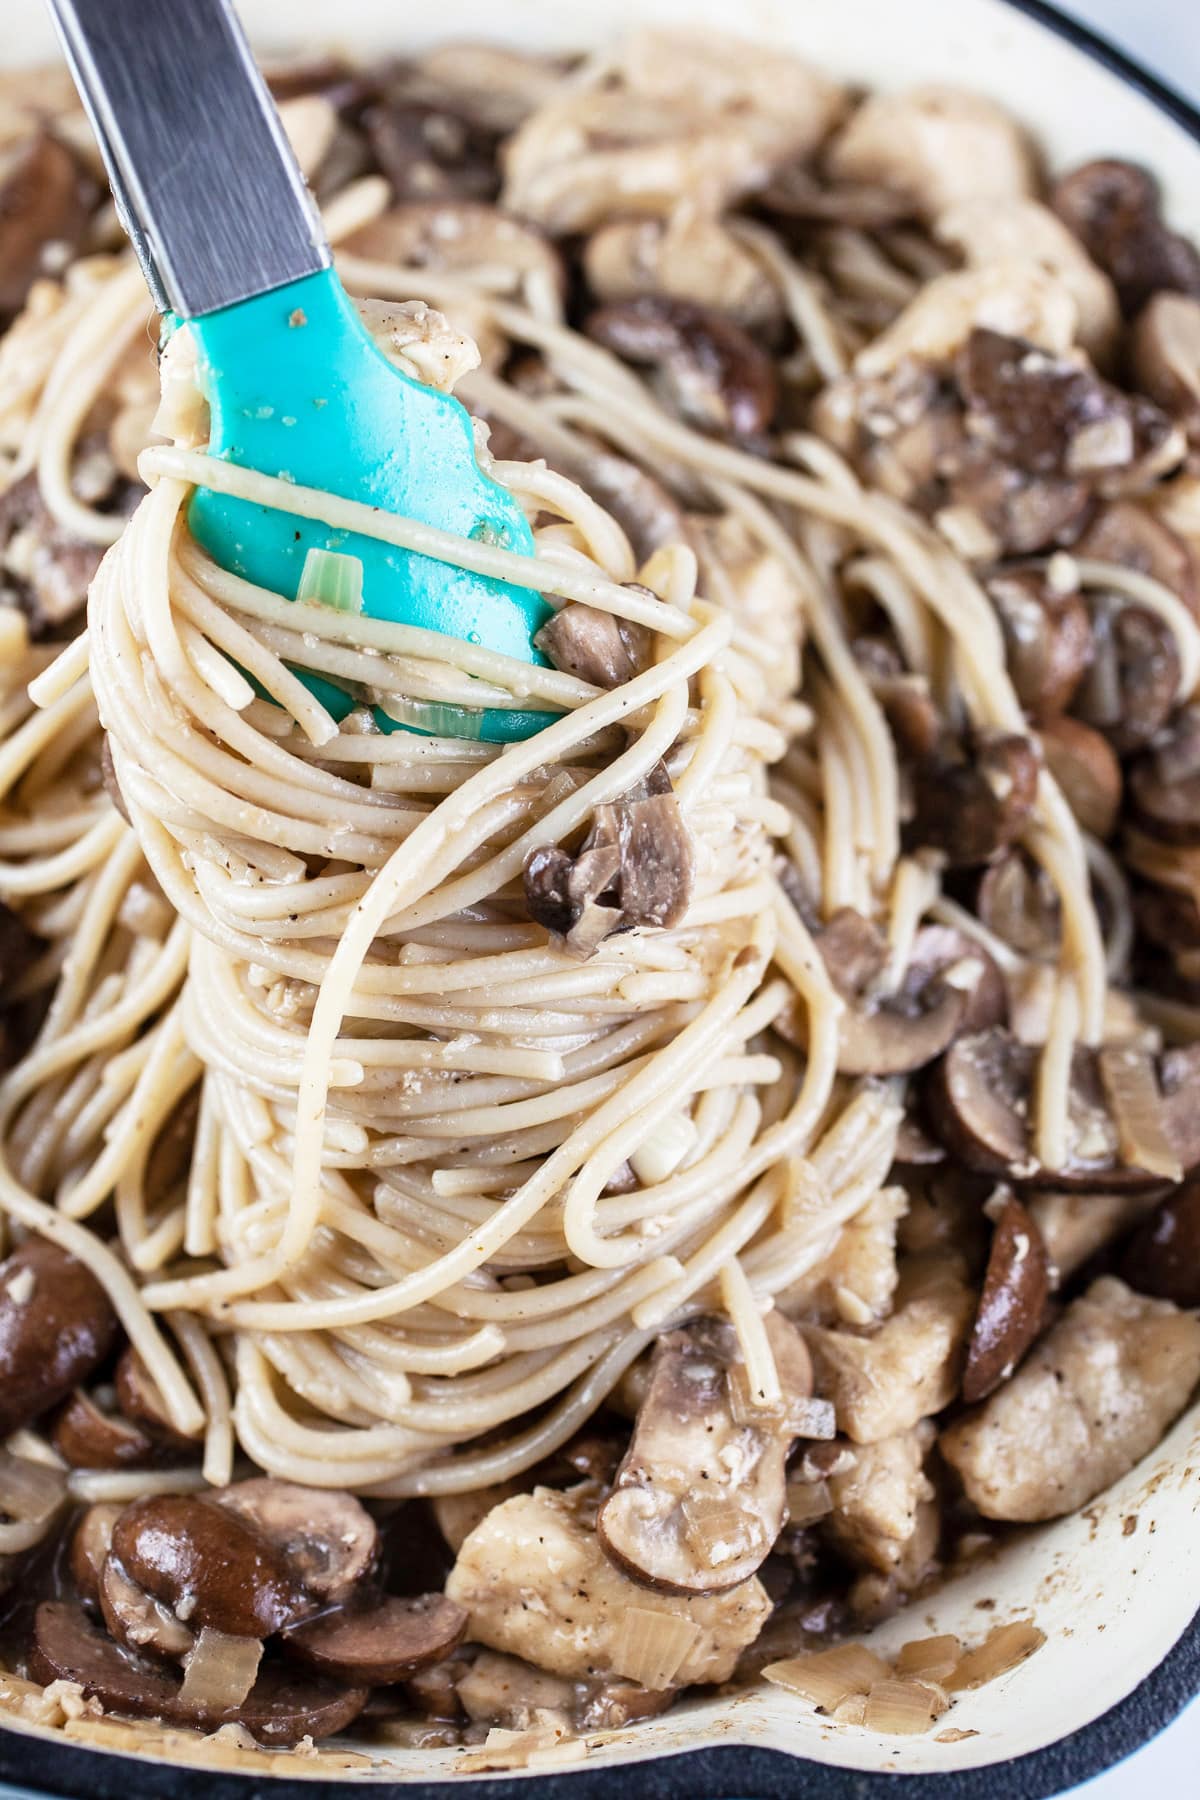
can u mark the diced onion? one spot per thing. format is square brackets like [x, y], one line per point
[932, 1658]
[999, 1652]
[30, 1495]
[827, 1676]
[661, 1152]
[1132, 1089]
[331, 578]
[808, 1501]
[722, 1531]
[221, 1670]
[903, 1708]
[436, 718]
[850, 1711]
[651, 1646]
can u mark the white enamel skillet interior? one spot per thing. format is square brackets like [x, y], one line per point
[1115, 1589]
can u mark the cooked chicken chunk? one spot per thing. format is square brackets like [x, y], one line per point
[877, 1500]
[855, 1284]
[883, 1384]
[935, 145]
[1090, 1401]
[537, 1585]
[1075, 1226]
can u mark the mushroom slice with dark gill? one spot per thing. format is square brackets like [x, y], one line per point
[1085, 766]
[87, 1436]
[595, 646]
[1131, 685]
[1047, 638]
[1012, 1305]
[1052, 416]
[136, 1619]
[1128, 533]
[971, 806]
[1114, 210]
[57, 1326]
[209, 1566]
[710, 371]
[282, 1707]
[699, 1498]
[327, 1538]
[1164, 782]
[980, 1104]
[381, 1644]
[635, 867]
[951, 985]
[1163, 1256]
[45, 570]
[44, 207]
[139, 1399]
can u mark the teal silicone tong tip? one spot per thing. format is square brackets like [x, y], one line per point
[297, 388]
[231, 245]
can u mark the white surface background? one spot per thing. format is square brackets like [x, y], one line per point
[1165, 35]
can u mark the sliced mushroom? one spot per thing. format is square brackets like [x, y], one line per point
[1168, 917]
[699, 1500]
[382, 1644]
[1163, 1257]
[1085, 766]
[981, 1103]
[1017, 514]
[1113, 209]
[88, 1551]
[1012, 1305]
[709, 371]
[1127, 533]
[328, 1539]
[45, 203]
[1164, 349]
[1047, 638]
[1053, 416]
[692, 257]
[281, 1709]
[45, 570]
[57, 1326]
[595, 646]
[635, 867]
[139, 1399]
[87, 1437]
[429, 152]
[912, 714]
[951, 985]
[136, 1619]
[1130, 688]
[1164, 782]
[209, 1565]
[505, 254]
[994, 230]
[972, 808]
[934, 145]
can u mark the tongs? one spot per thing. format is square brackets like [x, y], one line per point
[232, 247]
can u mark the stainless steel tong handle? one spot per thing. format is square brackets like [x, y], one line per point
[200, 167]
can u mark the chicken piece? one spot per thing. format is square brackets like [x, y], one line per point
[856, 1283]
[1015, 297]
[877, 1499]
[995, 230]
[1087, 1404]
[420, 342]
[537, 1585]
[935, 145]
[1075, 1226]
[883, 1384]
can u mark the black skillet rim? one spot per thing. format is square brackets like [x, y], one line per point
[726, 1772]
